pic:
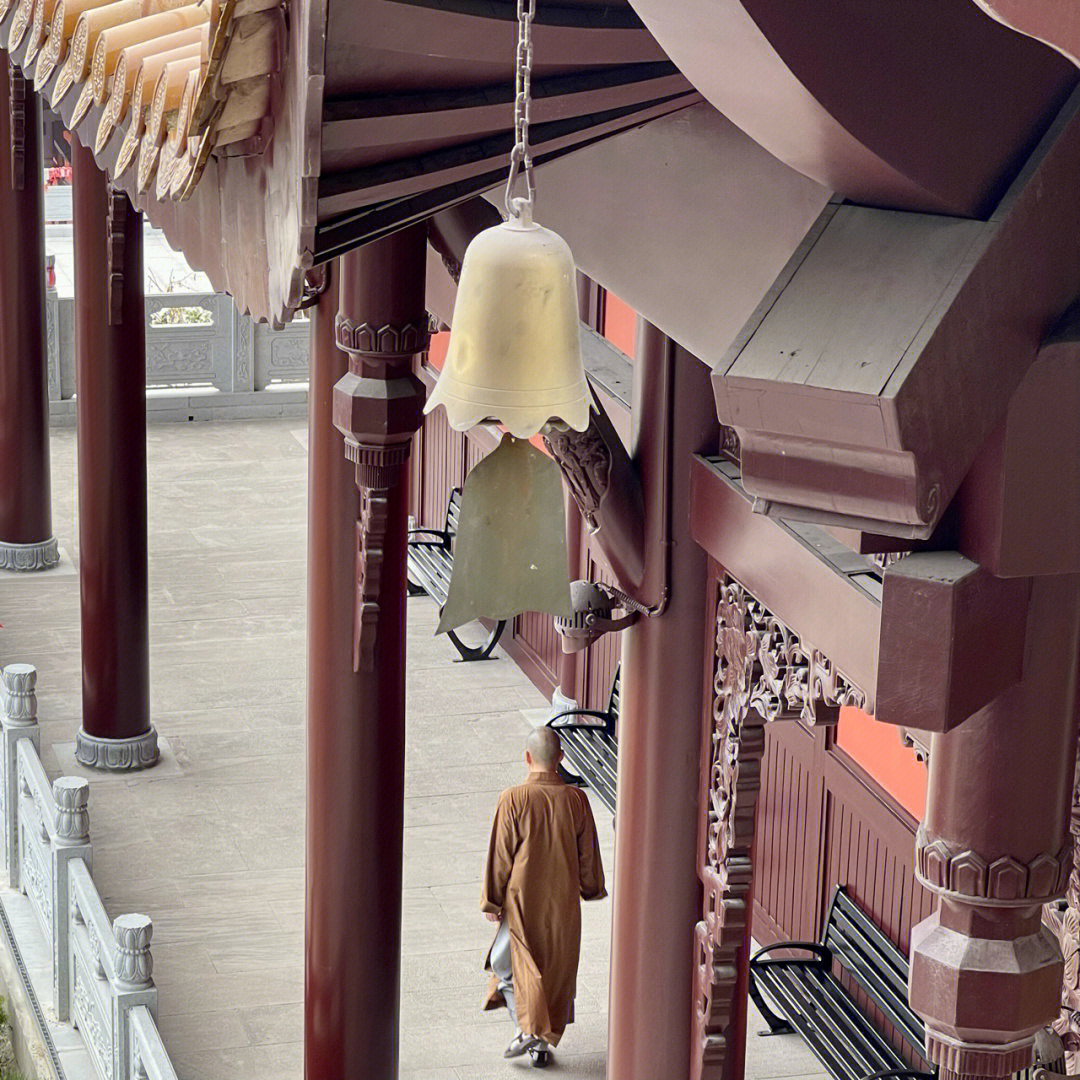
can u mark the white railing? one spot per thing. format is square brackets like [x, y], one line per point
[101, 971]
[195, 342]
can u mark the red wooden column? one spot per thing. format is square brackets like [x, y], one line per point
[26, 539]
[994, 845]
[110, 380]
[356, 724]
[656, 893]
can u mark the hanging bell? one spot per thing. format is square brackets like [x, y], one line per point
[510, 551]
[515, 341]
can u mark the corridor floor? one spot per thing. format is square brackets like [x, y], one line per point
[210, 843]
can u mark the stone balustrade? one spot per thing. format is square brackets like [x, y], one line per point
[101, 971]
[201, 355]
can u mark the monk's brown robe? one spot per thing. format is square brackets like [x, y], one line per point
[543, 860]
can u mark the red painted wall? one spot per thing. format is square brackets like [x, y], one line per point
[620, 323]
[878, 749]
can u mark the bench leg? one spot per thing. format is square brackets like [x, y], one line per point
[777, 1024]
[571, 777]
[485, 650]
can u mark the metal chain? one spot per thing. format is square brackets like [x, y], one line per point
[522, 154]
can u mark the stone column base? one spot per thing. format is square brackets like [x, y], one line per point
[117, 755]
[43, 555]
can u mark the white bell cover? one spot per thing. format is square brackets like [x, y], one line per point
[515, 343]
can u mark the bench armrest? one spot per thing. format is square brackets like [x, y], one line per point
[606, 717]
[441, 538]
[823, 954]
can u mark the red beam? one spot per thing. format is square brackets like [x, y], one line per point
[829, 595]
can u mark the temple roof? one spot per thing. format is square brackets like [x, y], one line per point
[264, 138]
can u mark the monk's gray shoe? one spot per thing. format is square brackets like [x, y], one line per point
[540, 1054]
[521, 1044]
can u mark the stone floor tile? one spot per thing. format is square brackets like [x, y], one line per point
[273, 1024]
[213, 850]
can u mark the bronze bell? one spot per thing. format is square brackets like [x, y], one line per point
[510, 552]
[515, 358]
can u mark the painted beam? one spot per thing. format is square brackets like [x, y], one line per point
[829, 595]
[688, 190]
[952, 640]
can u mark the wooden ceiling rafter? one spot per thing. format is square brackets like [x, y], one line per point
[182, 63]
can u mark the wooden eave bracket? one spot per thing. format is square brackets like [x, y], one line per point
[843, 384]
[952, 640]
[930, 641]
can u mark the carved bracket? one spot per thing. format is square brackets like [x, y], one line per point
[116, 225]
[762, 673]
[585, 460]
[606, 488]
[378, 413]
[370, 542]
[1063, 918]
[17, 99]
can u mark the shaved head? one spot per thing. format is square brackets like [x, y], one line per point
[544, 747]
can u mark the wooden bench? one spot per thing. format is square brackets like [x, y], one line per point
[590, 744]
[431, 558]
[815, 1004]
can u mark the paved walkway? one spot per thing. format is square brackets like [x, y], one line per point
[210, 842]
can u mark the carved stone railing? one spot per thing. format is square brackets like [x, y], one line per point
[227, 353]
[101, 971]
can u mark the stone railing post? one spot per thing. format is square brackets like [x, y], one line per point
[69, 839]
[133, 986]
[18, 720]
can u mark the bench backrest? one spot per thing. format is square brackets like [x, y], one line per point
[453, 512]
[874, 963]
[613, 701]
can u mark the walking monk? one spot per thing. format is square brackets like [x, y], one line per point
[543, 860]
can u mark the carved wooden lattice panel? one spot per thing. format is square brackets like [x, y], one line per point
[762, 672]
[1063, 917]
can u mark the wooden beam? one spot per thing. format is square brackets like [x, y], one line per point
[952, 640]
[827, 594]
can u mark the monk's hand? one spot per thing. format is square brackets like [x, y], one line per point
[493, 916]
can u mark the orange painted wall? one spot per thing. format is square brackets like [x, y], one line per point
[620, 323]
[878, 749]
[437, 350]
[440, 342]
